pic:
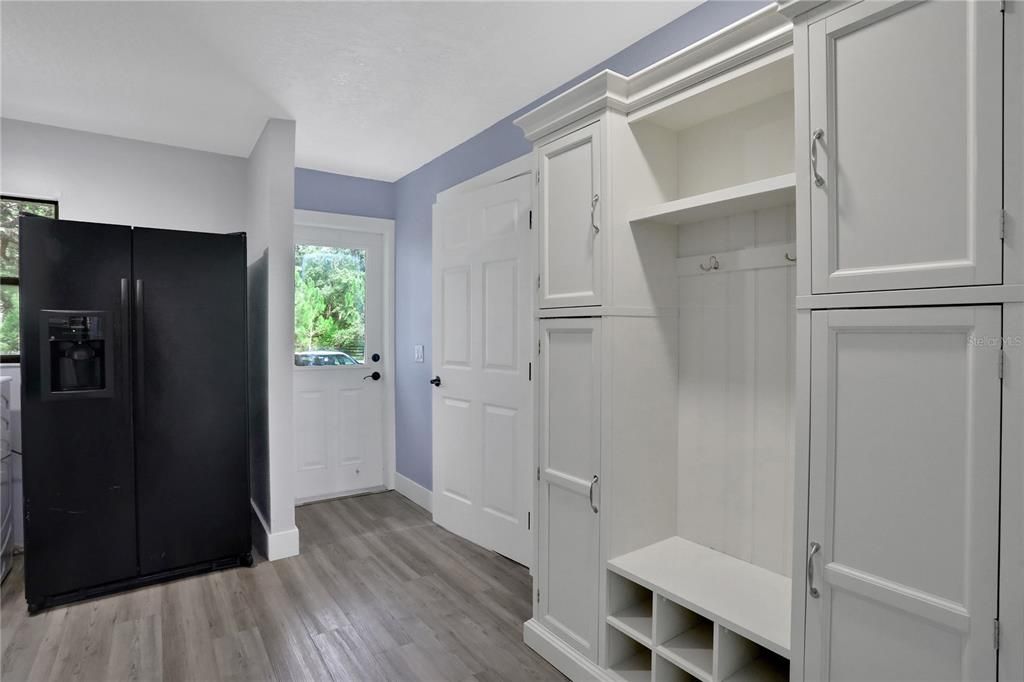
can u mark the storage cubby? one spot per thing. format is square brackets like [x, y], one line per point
[667, 671]
[722, 138]
[740, 660]
[630, 608]
[627, 658]
[685, 637]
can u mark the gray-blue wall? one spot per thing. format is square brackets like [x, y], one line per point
[332, 193]
[417, 191]
[412, 201]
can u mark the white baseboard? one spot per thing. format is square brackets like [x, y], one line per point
[569, 662]
[274, 546]
[414, 492]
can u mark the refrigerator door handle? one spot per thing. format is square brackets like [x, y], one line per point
[126, 335]
[140, 353]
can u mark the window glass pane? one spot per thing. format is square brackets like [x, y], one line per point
[330, 298]
[9, 319]
[10, 209]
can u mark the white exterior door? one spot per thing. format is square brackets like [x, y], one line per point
[908, 99]
[340, 410]
[569, 489]
[570, 209]
[482, 331]
[904, 494]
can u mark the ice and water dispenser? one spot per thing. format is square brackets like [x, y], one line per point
[77, 347]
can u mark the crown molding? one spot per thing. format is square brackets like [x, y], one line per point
[753, 36]
[794, 8]
[605, 90]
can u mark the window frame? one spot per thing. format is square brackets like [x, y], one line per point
[15, 280]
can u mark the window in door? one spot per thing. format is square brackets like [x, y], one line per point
[10, 208]
[330, 306]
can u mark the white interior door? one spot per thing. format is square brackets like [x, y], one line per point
[339, 407]
[908, 99]
[569, 562]
[904, 494]
[482, 330]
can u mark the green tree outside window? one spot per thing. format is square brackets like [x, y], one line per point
[10, 209]
[330, 300]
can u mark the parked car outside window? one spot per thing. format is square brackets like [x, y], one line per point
[324, 358]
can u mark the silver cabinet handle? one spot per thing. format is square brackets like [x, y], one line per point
[593, 482]
[593, 210]
[815, 136]
[815, 548]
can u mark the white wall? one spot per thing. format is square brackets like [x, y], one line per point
[271, 211]
[115, 180]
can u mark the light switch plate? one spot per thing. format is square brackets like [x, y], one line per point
[417, 352]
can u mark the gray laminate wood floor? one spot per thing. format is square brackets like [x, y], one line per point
[378, 593]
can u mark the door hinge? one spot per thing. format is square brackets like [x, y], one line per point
[538, 473]
[1002, 224]
[538, 281]
[529, 376]
[538, 176]
[527, 520]
[538, 347]
[531, 219]
[538, 595]
[1002, 365]
[995, 634]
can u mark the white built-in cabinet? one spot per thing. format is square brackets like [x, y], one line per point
[907, 353]
[903, 515]
[569, 219]
[568, 475]
[904, 144]
[779, 370]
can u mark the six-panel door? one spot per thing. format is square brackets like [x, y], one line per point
[569, 495]
[905, 146]
[569, 205]
[903, 514]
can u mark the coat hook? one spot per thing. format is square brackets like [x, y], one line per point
[713, 264]
[791, 259]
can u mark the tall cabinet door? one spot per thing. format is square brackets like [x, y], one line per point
[570, 458]
[190, 407]
[569, 203]
[903, 513]
[908, 99]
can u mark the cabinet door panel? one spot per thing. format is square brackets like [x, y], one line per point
[908, 98]
[904, 497]
[570, 239]
[569, 558]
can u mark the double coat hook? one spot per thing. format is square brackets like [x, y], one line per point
[713, 264]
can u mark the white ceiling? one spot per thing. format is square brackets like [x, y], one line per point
[377, 88]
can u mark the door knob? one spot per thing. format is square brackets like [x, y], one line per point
[375, 376]
[436, 381]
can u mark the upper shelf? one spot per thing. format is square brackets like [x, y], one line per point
[752, 196]
[749, 600]
[744, 86]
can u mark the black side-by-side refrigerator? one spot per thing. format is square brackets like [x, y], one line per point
[134, 406]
